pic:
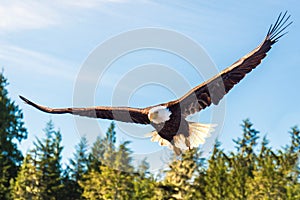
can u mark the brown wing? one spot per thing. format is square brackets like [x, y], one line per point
[124, 114]
[213, 90]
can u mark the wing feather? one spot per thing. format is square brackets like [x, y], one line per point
[200, 97]
[124, 114]
[213, 90]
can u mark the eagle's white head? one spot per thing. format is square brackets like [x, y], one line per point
[159, 114]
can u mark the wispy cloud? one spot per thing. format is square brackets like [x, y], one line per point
[21, 15]
[90, 3]
[15, 15]
[24, 60]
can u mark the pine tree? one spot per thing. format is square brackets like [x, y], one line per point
[179, 178]
[76, 170]
[217, 175]
[123, 158]
[103, 150]
[114, 177]
[243, 161]
[96, 155]
[267, 182]
[107, 183]
[144, 183]
[79, 163]
[71, 189]
[26, 185]
[116, 184]
[48, 163]
[92, 185]
[289, 164]
[110, 147]
[122, 168]
[11, 130]
[199, 183]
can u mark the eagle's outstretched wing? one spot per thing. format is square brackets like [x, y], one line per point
[124, 114]
[213, 90]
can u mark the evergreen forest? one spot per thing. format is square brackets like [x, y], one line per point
[105, 169]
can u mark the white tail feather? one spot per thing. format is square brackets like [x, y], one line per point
[197, 134]
[180, 142]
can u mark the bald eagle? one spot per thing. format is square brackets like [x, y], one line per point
[169, 119]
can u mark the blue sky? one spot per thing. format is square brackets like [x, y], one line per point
[43, 45]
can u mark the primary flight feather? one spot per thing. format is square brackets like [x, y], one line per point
[169, 119]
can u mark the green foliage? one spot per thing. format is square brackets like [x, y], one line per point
[96, 155]
[123, 158]
[217, 175]
[26, 185]
[114, 184]
[11, 130]
[48, 157]
[248, 173]
[111, 168]
[243, 162]
[109, 142]
[79, 164]
[144, 183]
[40, 175]
[253, 171]
[178, 179]
[103, 150]
[76, 170]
